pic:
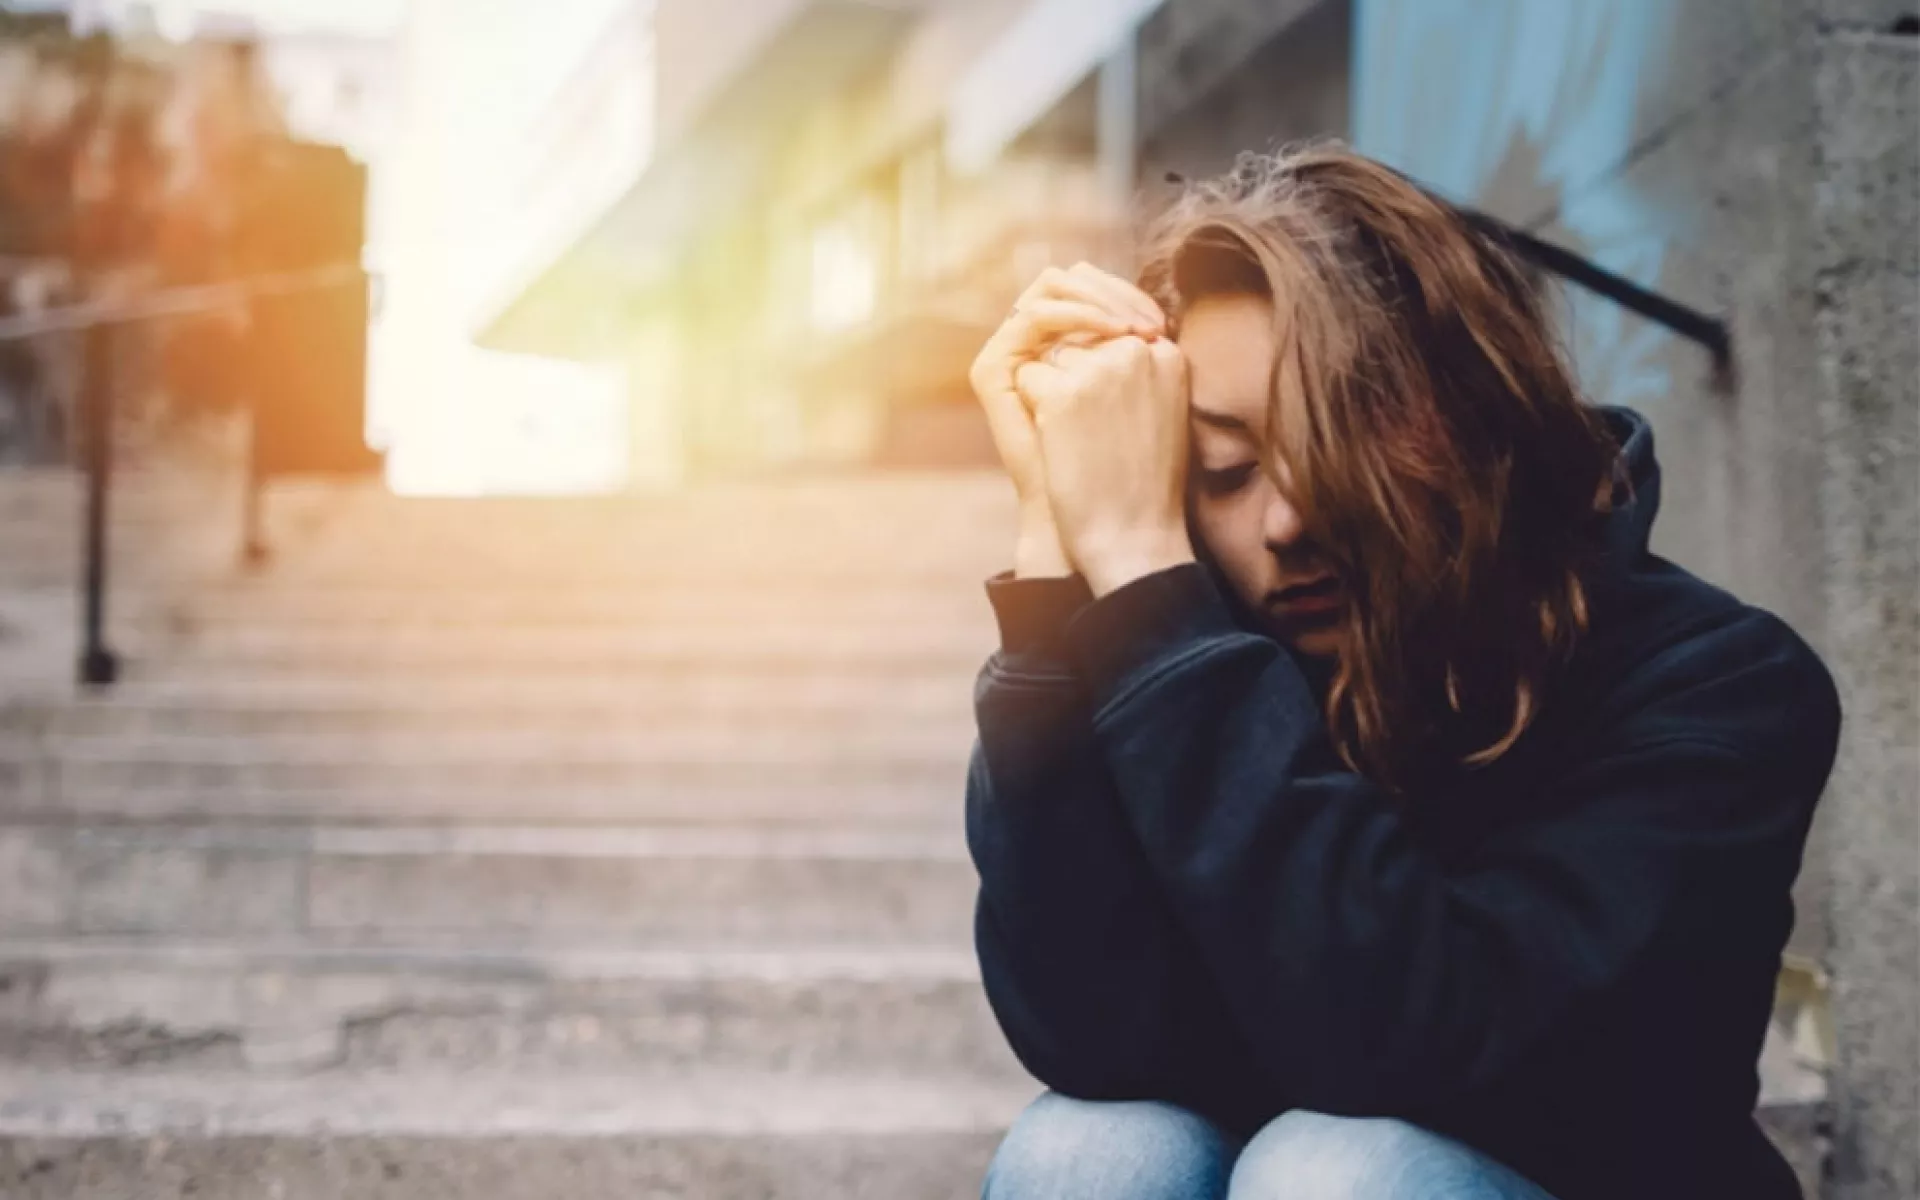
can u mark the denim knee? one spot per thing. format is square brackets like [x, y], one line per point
[1303, 1155]
[1061, 1148]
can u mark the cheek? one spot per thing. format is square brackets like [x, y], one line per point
[1230, 526]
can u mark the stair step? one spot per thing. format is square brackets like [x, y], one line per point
[753, 779]
[277, 1006]
[767, 743]
[707, 1134]
[667, 602]
[673, 650]
[468, 846]
[583, 705]
[956, 666]
[873, 567]
[374, 885]
[721, 687]
[698, 798]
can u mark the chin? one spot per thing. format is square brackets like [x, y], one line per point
[1319, 643]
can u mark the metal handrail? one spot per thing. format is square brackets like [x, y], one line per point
[1708, 331]
[99, 665]
[1690, 323]
[176, 302]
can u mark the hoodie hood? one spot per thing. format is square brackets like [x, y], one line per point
[1629, 528]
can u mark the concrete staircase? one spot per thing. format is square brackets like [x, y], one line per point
[514, 849]
[505, 849]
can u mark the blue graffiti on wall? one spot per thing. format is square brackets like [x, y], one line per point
[1446, 90]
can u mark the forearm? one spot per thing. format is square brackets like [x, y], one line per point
[1096, 989]
[1038, 552]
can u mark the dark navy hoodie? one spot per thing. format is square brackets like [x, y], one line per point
[1565, 959]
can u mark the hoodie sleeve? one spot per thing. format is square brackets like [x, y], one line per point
[1097, 991]
[1367, 979]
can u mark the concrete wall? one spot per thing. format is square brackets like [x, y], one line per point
[895, 106]
[694, 64]
[1212, 86]
[1754, 159]
[1866, 284]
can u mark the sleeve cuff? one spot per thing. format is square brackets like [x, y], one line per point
[1033, 612]
[1123, 634]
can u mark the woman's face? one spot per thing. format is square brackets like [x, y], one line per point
[1249, 529]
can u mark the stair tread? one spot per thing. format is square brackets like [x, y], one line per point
[700, 1101]
[551, 959]
[877, 800]
[639, 747]
[655, 841]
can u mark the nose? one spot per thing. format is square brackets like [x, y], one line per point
[1280, 524]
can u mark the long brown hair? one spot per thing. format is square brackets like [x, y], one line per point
[1439, 454]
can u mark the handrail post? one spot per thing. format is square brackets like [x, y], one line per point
[254, 551]
[99, 665]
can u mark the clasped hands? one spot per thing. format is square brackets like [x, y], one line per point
[1086, 397]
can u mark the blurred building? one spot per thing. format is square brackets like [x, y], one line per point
[840, 199]
[333, 79]
[829, 204]
[117, 164]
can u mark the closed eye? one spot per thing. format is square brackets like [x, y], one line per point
[1223, 480]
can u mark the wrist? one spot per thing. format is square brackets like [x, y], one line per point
[1038, 552]
[1133, 558]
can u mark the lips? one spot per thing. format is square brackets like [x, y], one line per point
[1304, 599]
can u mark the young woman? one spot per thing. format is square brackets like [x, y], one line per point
[1361, 809]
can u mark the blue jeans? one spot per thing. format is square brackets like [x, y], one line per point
[1066, 1149]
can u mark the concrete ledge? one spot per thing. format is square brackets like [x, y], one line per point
[684, 646]
[713, 1135]
[584, 1009]
[675, 777]
[724, 795]
[577, 703]
[391, 885]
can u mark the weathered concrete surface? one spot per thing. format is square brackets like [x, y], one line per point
[214, 1006]
[528, 707]
[1864, 16]
[515, 850]
[719, 794]
[382, 885]
[1867, 228]
[706, 1135]
[1215, 79]
[1191, 48]
[690, 1166]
